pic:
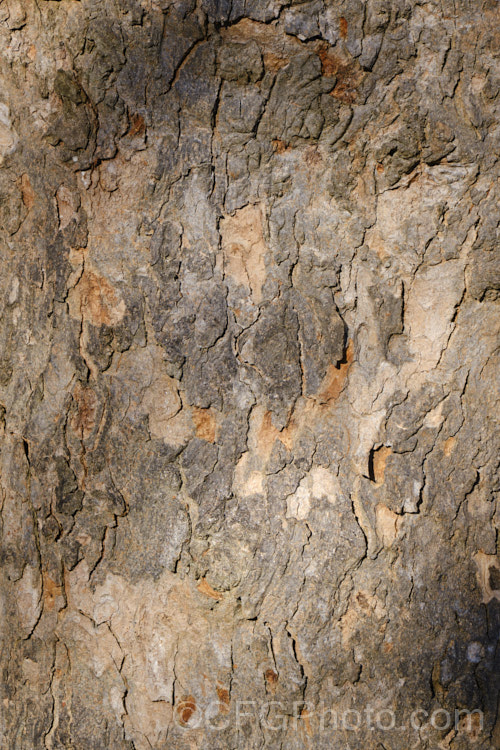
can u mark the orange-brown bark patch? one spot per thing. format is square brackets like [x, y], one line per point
[185, 709]
[335, 378]
[137, 125]
[205, 424]
[50, 591]
[205, 588]
[96, 300]
[83, 420]
[27, 192]
[380, 457]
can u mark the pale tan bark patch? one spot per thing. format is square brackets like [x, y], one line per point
[244, 249]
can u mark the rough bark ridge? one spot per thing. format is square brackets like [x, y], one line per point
[249, 340]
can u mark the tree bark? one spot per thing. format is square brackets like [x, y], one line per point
[248, 377]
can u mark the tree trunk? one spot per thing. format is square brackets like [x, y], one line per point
[249, 341]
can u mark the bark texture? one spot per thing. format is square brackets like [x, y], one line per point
[249, 349]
